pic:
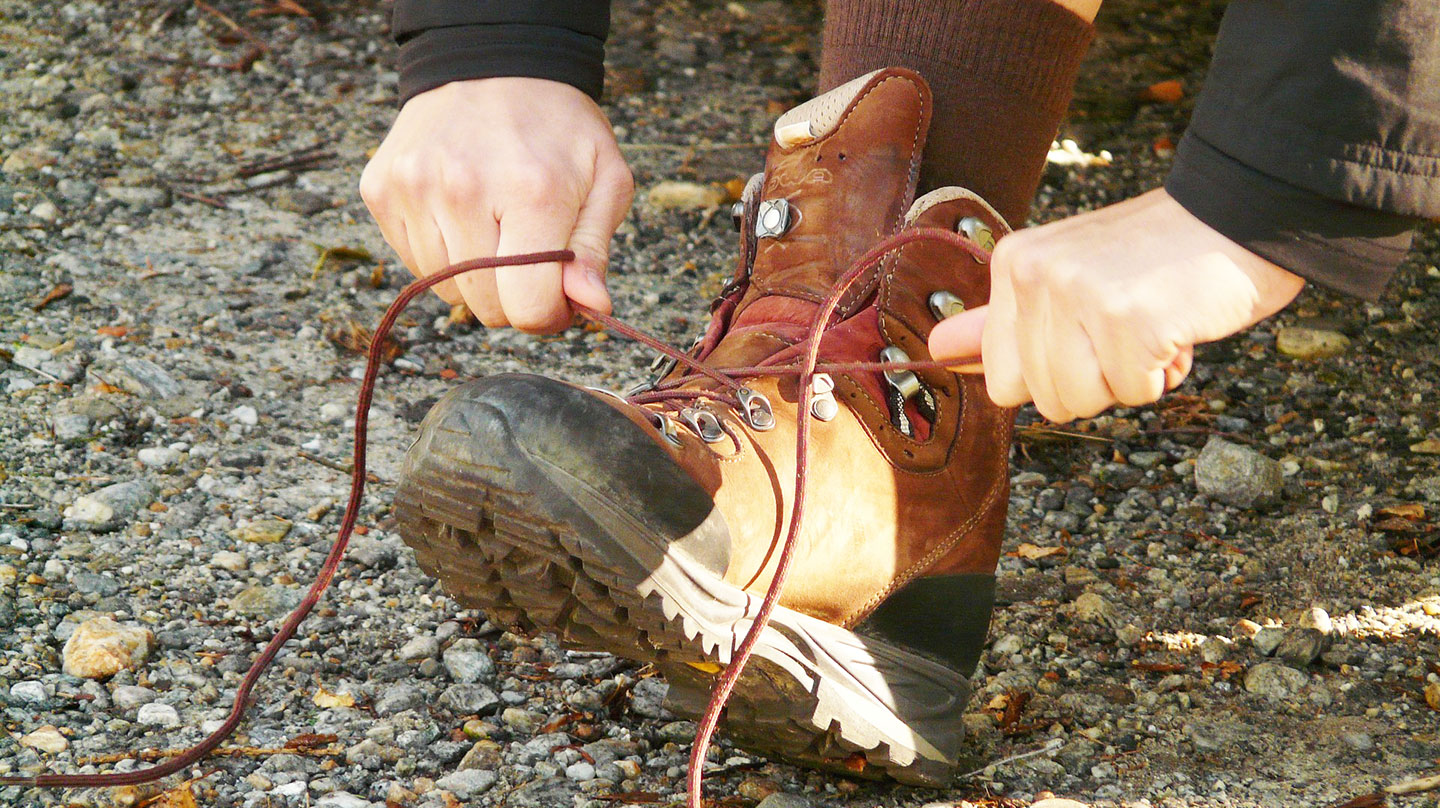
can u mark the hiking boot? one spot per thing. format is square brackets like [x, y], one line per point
[651, 529]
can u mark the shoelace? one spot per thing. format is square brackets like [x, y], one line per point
[726, 377]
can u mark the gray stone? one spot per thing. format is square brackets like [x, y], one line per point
[92, 583]
[130, 697]
[782, 800]
[1267, 639]
[1301, 646]
[1359, 741]
[399, 698]
[29, 356]
[339, 799]
[520, 720]
[467, 663]
[265, 601]
[142, 377]
[469, 699]
[372, 554]
[1274, 680]
[157, 714]
[139, 197]
[28, 693]
[548, 793]
[159, 457]
[467, 783]
[423, 646]
[580, 772]
[69, 427]
[647, 698]
[1237, 475]
[110, 506]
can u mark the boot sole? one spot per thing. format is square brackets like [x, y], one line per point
[513, 535]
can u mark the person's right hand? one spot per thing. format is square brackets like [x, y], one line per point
[503, 166]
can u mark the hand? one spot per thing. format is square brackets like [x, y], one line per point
[503, 166]
[1106, 307]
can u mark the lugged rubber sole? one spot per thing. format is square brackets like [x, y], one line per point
[514, 534]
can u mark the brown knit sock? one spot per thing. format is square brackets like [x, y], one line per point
[1001, 72]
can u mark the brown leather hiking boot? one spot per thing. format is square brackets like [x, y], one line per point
[651, 529]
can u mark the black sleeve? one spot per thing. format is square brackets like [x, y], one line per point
[1316, 140]
[451, 40]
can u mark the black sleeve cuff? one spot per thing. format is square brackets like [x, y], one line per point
[441, 55]
[1340, 246]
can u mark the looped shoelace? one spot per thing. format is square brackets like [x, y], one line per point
[728, 378]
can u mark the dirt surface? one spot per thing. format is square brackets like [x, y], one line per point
[170, 175]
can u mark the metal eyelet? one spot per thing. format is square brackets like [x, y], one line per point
[757, 411]
[975, 229]
[822, 400]
[904, 382]
[704, 423]
[774, 218]
[665, 426]
[737, 214]
[945, 304]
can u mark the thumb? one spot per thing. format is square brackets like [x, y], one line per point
[959, 337]
[603, 211]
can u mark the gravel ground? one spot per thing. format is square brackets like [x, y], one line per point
[1230, 599]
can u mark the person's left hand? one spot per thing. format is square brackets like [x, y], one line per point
[1106, 307]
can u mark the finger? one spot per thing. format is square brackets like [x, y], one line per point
[959, 337]
[998, 346]
[583, 279]
[1075, 369]
[1177, 370]
[533, 296]
[467, 239]
[1131, 370]
[1031, 332]
[428, 255]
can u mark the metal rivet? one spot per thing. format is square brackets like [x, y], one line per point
[977, 231]
[905, 382]
[705, 424]
[822, 401]
[773, 218]
[757, 410]
[945, 304]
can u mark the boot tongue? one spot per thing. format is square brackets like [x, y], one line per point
[839, 177]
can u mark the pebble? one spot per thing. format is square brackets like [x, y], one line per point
[580, 772]
[466, 662]
[1310, 343]
[399, 698]
[141, 377]
[1301, 646]
[130, 697]
[1091, 608]
[675, 195]
[139, 197]
[1318, 619]
[1215, 650]
[1359, 741]
[550, 792]
[340, 799]
[157, 714]
[101, 647]
[1274, 680]
[782, 800]
[647, 698]
[229, 560]
[46, 739]
[110, 506]
[423, 646]
[1058, 802]
[1267, 639]
[469, 699]
[263, 531]
[29, 692]
[467, 783]
[162, 457]
[265, 601]
[1237, 475]
[520, 720]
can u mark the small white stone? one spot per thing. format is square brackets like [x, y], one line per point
[332, 411]
[245, 415]
[30, 692]
[157, 714]
[159, 457]
[229, 560]
[46, 739]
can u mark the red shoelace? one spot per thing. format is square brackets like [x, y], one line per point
[728, 378]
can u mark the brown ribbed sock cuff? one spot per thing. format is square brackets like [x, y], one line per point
[1001, 72]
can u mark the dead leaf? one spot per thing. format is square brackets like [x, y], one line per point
[116, 331]
[1413, 511]
[311, 740]
[326, 700]
[274, 8]
[178, 797]
[1031, 552]
[1364, 801]
[352, 336]
[1165, 92]
[635, 797]
[60, 292]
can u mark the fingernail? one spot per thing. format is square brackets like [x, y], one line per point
[967, 367]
